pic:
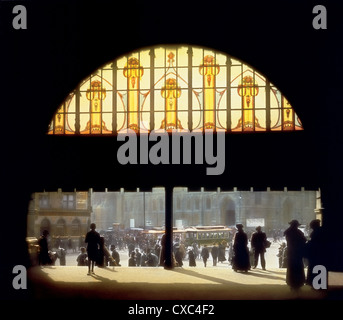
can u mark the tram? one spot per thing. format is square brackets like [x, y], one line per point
[200, 235]
[208, 235]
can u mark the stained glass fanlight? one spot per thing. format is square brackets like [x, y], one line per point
[174, 88]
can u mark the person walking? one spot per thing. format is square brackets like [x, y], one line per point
[205, 254]
[295, 274]
[258, 240]
[214, 254]
[93, 244]
[240, 259]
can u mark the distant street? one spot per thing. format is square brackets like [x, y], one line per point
[271, 259]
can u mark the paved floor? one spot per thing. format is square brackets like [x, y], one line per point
[148, 292]
[149, 283]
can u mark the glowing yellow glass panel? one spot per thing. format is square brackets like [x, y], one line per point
[174, 88]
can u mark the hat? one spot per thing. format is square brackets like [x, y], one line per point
[239, 225]
[258, 228]
[294, 223]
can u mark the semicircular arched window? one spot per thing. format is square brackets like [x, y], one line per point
[174, 88]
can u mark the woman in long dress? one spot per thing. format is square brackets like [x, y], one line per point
[240, 259]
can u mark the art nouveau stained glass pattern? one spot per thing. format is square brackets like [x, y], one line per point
[174, 88]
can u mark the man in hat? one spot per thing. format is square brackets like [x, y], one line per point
[258, 240]
[296, 240]
[44, 257]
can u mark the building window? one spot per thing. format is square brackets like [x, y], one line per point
[68, 201]
[174, 88]
[81, 200]
[43, 201]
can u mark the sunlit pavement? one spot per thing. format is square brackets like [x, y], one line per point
[156, 283]
[151, 283]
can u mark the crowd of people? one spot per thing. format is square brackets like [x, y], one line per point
[295, 253]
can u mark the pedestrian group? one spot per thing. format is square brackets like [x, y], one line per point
[294, 254]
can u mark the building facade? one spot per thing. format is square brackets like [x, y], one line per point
[61, 213]
[70, 213]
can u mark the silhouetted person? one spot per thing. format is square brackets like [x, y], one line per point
[205, 254]
[179, 256]
[221, 251]
[282, 255]
[82, 257]
[138, 258]
[132, 260]
[240, 259]
[258, 239]
[93, 243]
[215, 254]
[44, 257]
[191, 258]
[295, 275]
[131, 247]
[314, 249]
[152, 259]
[230, 255]
[115, 256]
[70, 243]
[61, 254]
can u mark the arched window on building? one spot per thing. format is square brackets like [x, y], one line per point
[174, 88]
[76, 227]
[45, 225]
[61, 228]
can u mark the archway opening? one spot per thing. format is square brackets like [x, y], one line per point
[159, 91]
